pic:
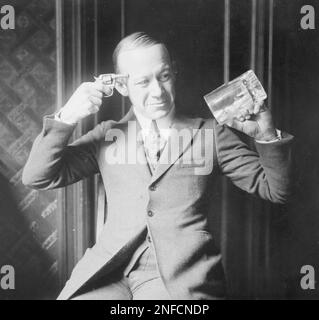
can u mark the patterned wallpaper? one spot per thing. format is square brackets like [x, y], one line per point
[28, 234]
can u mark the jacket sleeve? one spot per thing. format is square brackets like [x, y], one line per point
[54, 163]
[266, 173]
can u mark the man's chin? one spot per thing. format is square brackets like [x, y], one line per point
[158, 114]
[159, 111]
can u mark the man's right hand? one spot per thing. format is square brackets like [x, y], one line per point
[86, 100]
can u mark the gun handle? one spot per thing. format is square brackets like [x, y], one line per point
[111, 87]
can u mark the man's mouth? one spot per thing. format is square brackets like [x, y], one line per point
[157, 104]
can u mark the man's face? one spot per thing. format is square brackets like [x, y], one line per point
[150, 85]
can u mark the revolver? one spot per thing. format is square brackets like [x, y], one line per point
[109, 79]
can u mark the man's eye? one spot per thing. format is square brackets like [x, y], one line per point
[142, 82]
[165, 76]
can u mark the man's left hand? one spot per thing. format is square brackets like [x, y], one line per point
[256, 123]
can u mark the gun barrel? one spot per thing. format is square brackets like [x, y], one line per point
[119, 76]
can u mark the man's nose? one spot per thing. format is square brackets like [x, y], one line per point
[156, 88]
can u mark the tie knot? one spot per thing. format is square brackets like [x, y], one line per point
[154, 129]
[153, 132]
[153, 144]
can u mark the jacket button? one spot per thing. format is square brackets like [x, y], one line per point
[153, 188]
[150, 213]
[149, 239]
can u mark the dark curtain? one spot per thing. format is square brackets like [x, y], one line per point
[29, 237]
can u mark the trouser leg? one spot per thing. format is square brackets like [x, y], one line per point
[144, 279]
[138, 280]
[114, 291]
[113, 286]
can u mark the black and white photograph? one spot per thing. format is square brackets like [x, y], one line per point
[159, 150]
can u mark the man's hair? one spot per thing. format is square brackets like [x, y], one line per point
[134, 41]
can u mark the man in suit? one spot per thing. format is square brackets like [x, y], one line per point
[158, 169]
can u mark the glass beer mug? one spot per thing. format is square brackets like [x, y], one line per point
[232, 99]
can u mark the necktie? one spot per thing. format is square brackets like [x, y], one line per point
[153, 145]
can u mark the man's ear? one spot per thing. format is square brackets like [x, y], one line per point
[121, 88]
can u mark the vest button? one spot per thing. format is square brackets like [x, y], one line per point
[149, 239]
[153, 188]
[150, 213]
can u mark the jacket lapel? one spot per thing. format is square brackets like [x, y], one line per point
[182, 134]
[133, 144]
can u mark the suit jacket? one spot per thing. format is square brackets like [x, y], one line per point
[172, 204]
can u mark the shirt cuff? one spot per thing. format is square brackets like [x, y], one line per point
[57, 117]
[278, 138]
